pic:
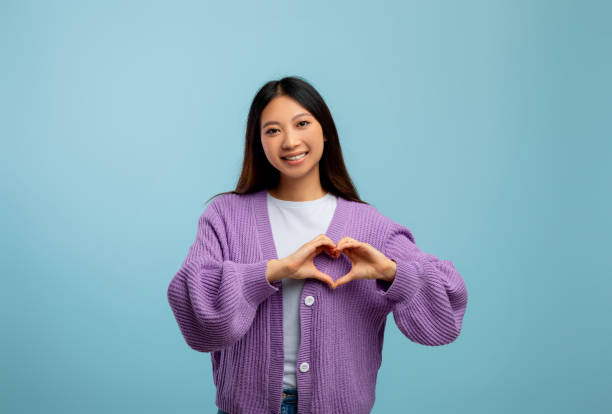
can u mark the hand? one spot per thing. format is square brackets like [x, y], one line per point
[367, 262]
[300, 264]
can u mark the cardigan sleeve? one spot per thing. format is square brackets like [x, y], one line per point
[214, 300]
[428, 296]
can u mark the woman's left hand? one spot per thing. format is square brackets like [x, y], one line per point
[367, 262]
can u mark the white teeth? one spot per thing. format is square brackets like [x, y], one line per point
[297, 157]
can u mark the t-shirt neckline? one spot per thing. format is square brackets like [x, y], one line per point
[299, 204]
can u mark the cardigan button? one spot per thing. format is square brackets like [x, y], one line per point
[304, 367]
[309, 300]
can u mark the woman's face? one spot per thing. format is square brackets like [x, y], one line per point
[288, 128]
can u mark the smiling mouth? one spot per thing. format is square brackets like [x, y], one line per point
[299, 157]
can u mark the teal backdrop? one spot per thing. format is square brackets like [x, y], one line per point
[483, 126]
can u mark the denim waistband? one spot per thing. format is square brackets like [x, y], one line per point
[290, 391]
[290, 394]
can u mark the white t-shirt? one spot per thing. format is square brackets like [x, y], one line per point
[295, 223]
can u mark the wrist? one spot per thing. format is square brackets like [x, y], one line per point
[389, 270]
[276, 270]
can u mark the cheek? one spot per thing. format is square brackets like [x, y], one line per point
[318, 148]
[272, 156]
[266, 149]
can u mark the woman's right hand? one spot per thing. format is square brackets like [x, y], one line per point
[300, 265]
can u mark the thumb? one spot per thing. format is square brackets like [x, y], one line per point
[325, 278]
[345, 278]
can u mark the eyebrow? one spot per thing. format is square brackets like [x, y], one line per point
[274, 122]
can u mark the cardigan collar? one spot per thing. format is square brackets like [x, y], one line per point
[335, 230]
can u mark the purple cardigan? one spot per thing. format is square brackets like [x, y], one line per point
[224, 305]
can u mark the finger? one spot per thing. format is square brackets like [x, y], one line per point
[345, 242]
[340, 246]
[322, 241]
[349, 245]
[319, 249]
[325, 278]
[346, 239]
[345, 247]
[321, 238]
[344, 279]
[326, 237]
[328, 246]
[322, 246]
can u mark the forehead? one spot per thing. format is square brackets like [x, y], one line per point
[281, 107]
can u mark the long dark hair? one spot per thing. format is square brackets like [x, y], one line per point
[258, 173]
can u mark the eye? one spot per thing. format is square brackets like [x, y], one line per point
[271, 130]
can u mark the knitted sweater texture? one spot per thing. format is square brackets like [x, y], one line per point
[224, 305]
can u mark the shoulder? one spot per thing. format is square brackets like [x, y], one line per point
[369, 213]
[367, 223]
[229, 204]
[379, 222]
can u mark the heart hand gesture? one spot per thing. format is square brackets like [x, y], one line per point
[367, 262]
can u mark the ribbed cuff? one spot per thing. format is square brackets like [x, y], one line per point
[408, 279]
[255, 286]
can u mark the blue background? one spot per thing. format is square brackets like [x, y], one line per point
[483, 126]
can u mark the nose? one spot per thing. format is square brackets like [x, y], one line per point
[289, 141]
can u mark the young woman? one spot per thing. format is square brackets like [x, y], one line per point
[291, 276]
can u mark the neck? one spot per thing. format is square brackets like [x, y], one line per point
[298, 193]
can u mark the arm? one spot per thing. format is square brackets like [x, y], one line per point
[214, 301]
[427, 295]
